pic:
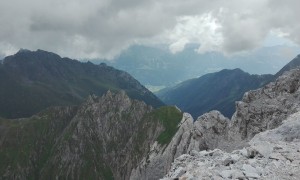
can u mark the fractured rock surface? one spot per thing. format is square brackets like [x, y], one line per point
[273, 154]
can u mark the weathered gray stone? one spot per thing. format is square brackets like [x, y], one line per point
[238, 175]
[250, 171]
[261, 166]
[227, 173]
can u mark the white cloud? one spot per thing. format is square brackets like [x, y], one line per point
[7, 49]
[93, 28]
[196, 29]
[178, 45]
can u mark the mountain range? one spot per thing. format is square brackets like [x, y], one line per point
[156, 67]
[116, 137]
[125, 132]
[213, 91]
[31, 81]
[217, 91]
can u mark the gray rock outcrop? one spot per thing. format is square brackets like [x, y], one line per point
[266, 107]
[273, 154]
[205, 133]
[160, 157]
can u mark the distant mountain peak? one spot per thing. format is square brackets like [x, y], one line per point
[34, 80]
[291, 65]
[23, 51]
[237, 70]
[36, 52]
[28, 55]
[217, 90]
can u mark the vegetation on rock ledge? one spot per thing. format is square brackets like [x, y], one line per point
[170, 117]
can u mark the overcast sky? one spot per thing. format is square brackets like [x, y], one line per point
[102, 28]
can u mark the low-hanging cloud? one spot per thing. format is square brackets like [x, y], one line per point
[93, 28]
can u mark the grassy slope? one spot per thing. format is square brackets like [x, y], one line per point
[169, 117]
[28, 142]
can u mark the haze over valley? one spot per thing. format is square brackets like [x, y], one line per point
[157, 67]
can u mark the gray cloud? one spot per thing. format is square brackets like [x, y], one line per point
[94, 28]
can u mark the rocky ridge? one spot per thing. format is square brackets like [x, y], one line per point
[259, 110]
[273, 154]
[103, 138]
[291, 65]
[103, 130]
[266, 107]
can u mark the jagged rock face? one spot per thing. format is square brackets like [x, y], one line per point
[273, 154]
[266, 107]
[104, 138]
[160, 157]
[205, 133]
[103, 130]
[209, 131]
